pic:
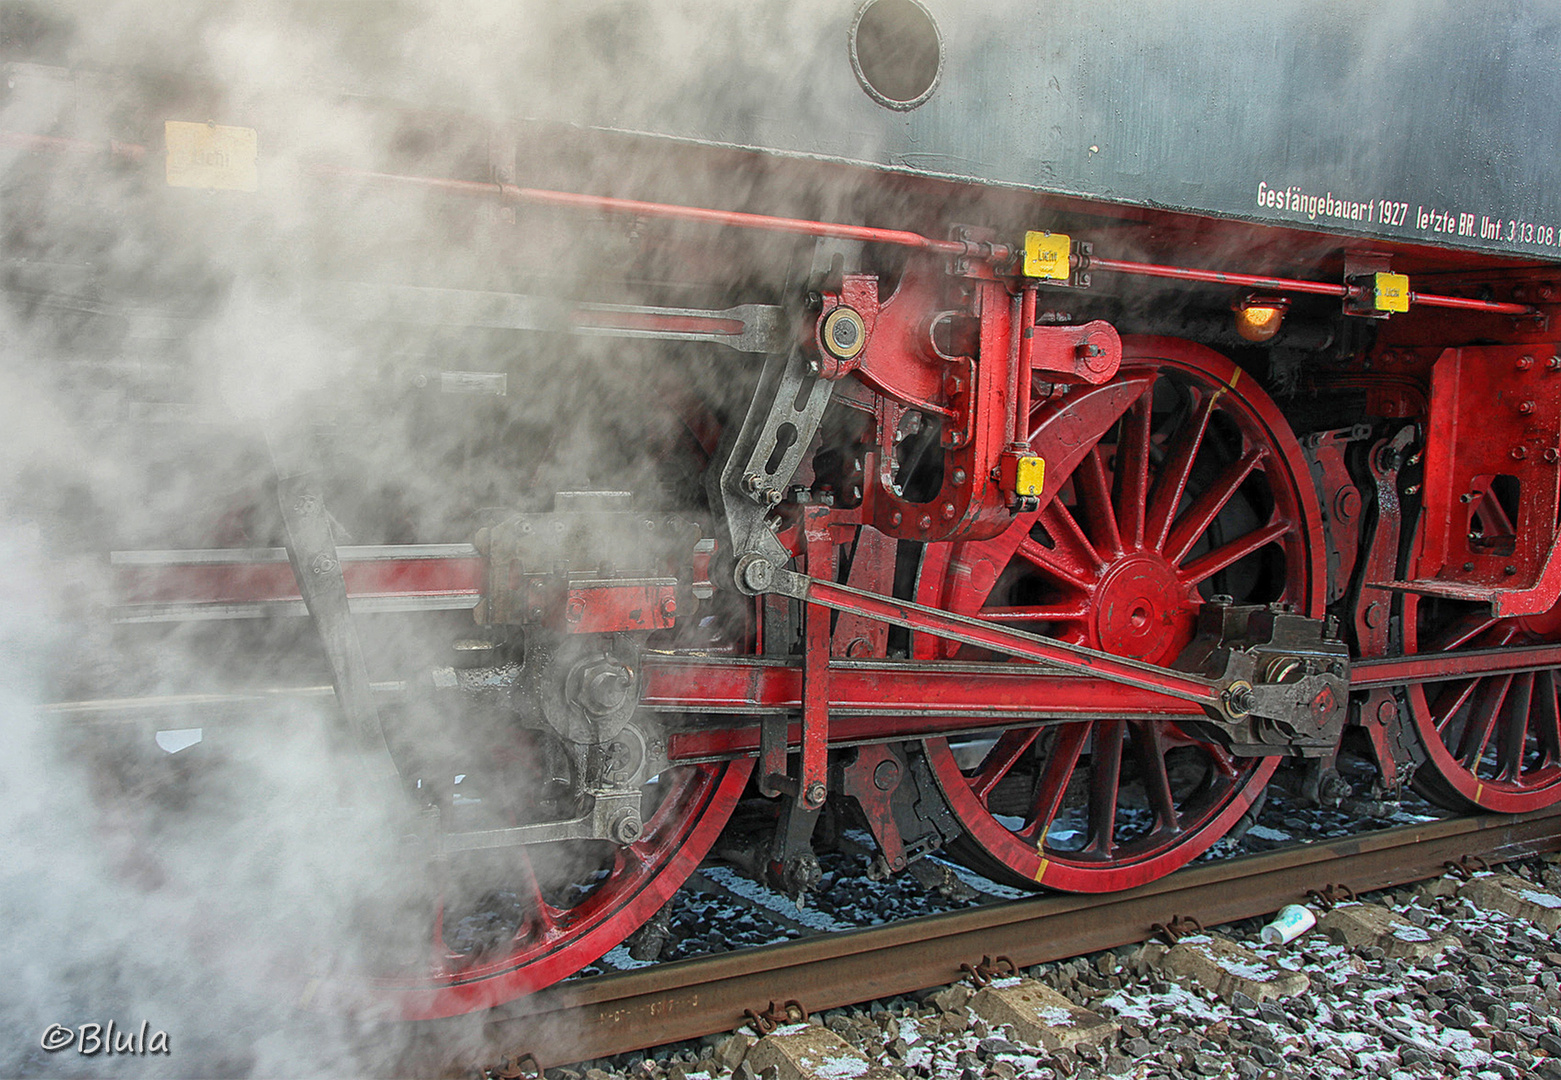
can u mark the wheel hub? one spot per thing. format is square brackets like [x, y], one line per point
[1142, 609]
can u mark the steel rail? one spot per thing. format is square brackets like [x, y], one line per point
[617, 1013]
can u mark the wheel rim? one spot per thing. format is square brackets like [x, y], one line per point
[1491, 743]
[589, 900]
[1207, 493]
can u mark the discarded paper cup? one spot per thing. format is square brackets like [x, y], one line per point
[1292, 921]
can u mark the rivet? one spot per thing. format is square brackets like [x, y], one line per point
[1525, 362]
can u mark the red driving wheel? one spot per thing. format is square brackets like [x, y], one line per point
[568, 904]
[1491, 743]
[1196, 488]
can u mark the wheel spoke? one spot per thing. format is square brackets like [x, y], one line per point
[1149, 751]
[1482, 720]
[1547, 717]
[1064, 529]
[1453, 697]
[1191, 526]
[1094, 495]
[1175, 473]
[543, 916]
[1133, 469]
[1001, 759]
[1054, 561]
[1494, 515]
[1464, 630]
[1224, 761]
[1078, 609]
[1514, 727]
[1052, 784]
[1212, 562]
[1105, 782]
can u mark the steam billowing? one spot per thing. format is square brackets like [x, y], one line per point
[156, 341]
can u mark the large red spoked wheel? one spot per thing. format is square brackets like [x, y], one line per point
[565, 905]
[1197, 487]
[1492, 743]
[527, 917]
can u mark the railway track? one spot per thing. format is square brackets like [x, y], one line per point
[625, 1011]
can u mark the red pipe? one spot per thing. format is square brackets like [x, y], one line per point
[727, 218]
[1217, 277]
[1319, 288]
[1432, 300]
[17, 140]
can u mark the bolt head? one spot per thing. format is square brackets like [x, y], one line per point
[755, 572]
[814, 796]
[627, 829]
[886, 775]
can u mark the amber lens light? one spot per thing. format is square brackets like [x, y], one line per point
[1259, 320]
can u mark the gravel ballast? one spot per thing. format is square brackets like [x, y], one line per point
[1487, 1007]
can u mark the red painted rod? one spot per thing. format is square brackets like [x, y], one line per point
[1002, 639]
[638, 208]
[18, 140]
[1319, 288]
[1445, 666]
[1497, 306]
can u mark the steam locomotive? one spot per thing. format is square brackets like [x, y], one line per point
[1015, 428]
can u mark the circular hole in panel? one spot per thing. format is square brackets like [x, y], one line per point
[897, 52]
